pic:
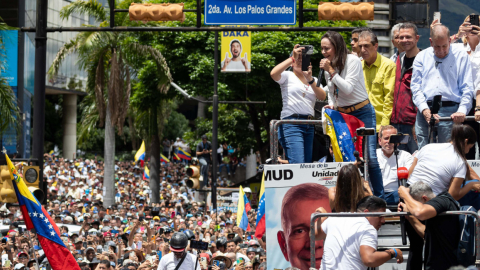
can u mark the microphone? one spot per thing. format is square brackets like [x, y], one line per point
[320, 76]
[436, 63]
[402, 174]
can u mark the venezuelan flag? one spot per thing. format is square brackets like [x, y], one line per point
[341, 129]
[175, 156]
[164, 159]
[242, 210]
[260, 225]
[183, 154]
[36, 217]
[140, 155]
[146, 173]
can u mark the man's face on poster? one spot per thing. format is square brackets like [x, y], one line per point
[236, 49]
[294, 240]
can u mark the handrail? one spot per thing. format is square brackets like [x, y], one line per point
[274, 124]
[316, 216]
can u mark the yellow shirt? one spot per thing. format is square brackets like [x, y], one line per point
[380, 83]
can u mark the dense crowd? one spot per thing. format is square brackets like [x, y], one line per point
[133, 233]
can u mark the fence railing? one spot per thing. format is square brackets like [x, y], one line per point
[316, 216]
[274, 124]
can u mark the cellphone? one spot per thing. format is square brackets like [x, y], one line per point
[139, 244]
[8, 263]
[85, 244]
[399, 138]
[200, 245]
[306, 54]
[89, 243]
[4, 240]
[240, 260]
[173, 214]
[99, 250]
[119, 261]
[437, 15]
[152, 224]
[217, 263]
[365, 131]
[474, 20]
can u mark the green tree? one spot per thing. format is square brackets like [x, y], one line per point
[176, 125]
[109, 58]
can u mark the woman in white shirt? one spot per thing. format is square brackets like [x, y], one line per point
[299, 93]
[347, 94]
[444, 167]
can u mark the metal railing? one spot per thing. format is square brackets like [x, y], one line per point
[274, 124]
[316, 216]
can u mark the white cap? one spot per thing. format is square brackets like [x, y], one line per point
[247, 189]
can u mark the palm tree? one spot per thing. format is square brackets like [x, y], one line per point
[9, 111]
[109, 59]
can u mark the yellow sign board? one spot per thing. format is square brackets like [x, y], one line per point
[236, 53]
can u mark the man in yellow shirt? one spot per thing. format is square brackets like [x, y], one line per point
[379, 73]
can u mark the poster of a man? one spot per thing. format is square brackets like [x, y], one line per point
[298, 204]
[236, 63]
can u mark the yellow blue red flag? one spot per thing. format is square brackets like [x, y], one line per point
[242, 211]
[36, 217]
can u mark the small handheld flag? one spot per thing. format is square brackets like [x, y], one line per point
[140, 155]
[242, 210]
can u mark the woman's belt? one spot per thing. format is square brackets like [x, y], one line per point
[355, 107]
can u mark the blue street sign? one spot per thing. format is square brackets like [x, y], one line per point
[250, 12]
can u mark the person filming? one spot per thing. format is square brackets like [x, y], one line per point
[347, 94]
[299, 93]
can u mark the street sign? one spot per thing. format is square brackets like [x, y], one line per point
[250, 12]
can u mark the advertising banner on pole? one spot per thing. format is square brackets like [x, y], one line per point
[293, 192]
[236, 53]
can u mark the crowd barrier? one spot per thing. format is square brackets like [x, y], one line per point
[274, 124]
[316, 216]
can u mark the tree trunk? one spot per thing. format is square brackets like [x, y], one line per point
[132, 132]
[257, 130]
[154, 162]
[109, 156]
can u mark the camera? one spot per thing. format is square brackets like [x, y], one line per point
[365, 131]
[399, 138]
[306, 54]
[199, 245]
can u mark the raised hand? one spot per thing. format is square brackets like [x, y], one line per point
[226, 61]
[308, 74]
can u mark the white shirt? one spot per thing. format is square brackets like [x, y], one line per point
[437, 164]
[292, 95]
[350, 83]
[236, 66]
[474, 57]
[389, 168]
[169, 262]
[344, 237]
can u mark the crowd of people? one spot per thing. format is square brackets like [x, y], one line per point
[133, 233]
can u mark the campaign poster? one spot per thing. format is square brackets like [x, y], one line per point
[293, 192]
[236, 53]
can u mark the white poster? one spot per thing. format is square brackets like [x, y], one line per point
[302, 188]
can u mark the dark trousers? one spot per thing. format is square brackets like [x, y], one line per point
[415, 255]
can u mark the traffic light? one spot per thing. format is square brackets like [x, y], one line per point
[337, 11]
[156, 12]
[7, 193]
[32, 180]
[193, 173]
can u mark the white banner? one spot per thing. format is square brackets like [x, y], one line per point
[288, 175]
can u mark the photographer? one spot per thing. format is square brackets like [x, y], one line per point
[299, 93]
[178, 259]
[388, 163]
[347, 94]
